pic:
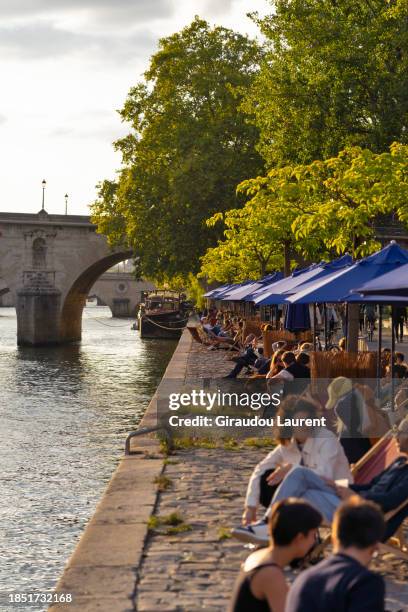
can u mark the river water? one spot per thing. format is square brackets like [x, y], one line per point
[64, 416]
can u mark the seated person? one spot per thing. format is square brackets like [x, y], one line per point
[274, 365]
[343, 582]
[264, 369]
[213, 330]
[206, 324]
[261, 585]
[295, 376]
[219, 335]
[246, 359]
[305, 347]
[216, 328]
[350, 410]
[389, 490]
[304, 359]
[227, 329]
[318, 450]
[300, 383]
[400, 371]
[261, 361]
[389, 386]
[292, 369]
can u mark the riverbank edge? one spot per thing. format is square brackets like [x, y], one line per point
[102, 572]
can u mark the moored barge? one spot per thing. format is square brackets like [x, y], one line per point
[163, 314]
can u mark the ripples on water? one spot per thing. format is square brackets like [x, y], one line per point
[64, 416]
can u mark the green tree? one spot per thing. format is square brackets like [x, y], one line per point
[247, 251]
[259, 237]
[348, 196]
[189, 147]
[335, 74]
[315, 211]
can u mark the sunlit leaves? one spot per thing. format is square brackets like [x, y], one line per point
[319, 210]
[335, 75]
[350, 193]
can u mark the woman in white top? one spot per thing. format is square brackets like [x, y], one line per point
[316, 448]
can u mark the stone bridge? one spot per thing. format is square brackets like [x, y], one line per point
[49, 264]
[120, 291]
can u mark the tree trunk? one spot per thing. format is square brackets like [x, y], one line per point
[353, 327]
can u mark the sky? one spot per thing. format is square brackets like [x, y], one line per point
[65, 68]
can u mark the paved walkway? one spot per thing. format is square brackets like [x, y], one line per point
[196, 569]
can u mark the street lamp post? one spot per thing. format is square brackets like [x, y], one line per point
[66, 203]
[43, 193]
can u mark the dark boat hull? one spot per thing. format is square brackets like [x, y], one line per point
[160, 327]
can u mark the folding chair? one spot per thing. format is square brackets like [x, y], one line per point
[396, 544]
[194, 332]
[201, 337]
[377, 459]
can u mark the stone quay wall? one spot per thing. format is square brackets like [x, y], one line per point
[120, 565]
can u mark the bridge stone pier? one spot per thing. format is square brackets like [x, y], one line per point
[49, 264]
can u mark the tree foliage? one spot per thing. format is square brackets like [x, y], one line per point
[351, 194]
[259, 237]
[188, 148]
[316, 210]
[247, 250]
[335, 75]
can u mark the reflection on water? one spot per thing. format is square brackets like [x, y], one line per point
[64, 416]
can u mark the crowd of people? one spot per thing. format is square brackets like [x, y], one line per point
[340, 583]
[306, 481]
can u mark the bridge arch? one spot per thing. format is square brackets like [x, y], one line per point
[49, 262]
[75, 298]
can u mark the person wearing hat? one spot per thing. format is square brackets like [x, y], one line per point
[389, 490]
[352, 418]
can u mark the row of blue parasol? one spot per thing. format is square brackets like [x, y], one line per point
[380, 278]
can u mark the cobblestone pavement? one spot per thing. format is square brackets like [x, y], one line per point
[196, 570]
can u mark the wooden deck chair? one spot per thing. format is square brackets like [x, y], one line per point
[376, 459]
[199, 335]
[395, 545]
[194, 332]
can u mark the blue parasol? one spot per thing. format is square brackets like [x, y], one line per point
[334, 287]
